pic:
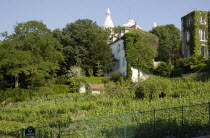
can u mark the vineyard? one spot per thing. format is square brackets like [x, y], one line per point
[184, 121]
[125, 112]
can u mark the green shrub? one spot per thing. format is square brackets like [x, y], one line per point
[61, 80]
[153, 87]
[198, 64]
[115, 76]
[37, 81]
[16, 95]
[59, 89]
[199, 67]
[177, 72]
[74, 85]
[92, 80]
[75, 71]
[194, 64]
[163, 70]
[184, 64]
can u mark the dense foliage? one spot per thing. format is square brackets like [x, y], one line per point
[163, 69]
[85, 45]
[116, 100]
[140, 49]
[191, 65]
[169, 49]
[33, 56]
[30, 56]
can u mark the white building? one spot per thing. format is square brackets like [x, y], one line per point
[118, 51]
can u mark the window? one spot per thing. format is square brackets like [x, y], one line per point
[202, 35]
[203, 51]
[188, 36]
[189, 20]
[202, 20]
[118, 48]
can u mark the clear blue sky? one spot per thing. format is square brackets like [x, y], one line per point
[58, 13]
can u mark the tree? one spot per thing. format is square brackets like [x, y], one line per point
[118, 29]
[169, 43]
[30, 55]
[140, 49]
[85, 44]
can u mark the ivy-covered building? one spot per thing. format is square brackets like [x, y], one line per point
[126, 56]
[195, 34]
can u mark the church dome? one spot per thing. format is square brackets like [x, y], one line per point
[131, 23]
[108, 21]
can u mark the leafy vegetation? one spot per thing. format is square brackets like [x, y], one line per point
[140, 49]
[85, 45]
[41, 73]
[158, 93]
[191, 24]
[164, 70]
[30, 56]
[169, 43]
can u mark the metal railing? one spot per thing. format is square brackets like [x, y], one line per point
[184, 121]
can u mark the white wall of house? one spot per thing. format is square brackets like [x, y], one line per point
[142, 75]
[119, 54]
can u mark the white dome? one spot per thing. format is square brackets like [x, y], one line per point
[108, 21]
[131, 23]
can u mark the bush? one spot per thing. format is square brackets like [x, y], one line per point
[194, 64]
[177, 72]
[17, 95]
[163, 70]
[61, 80]
[199, 67]
[59, 89]
[75, 71]
[74, 85]
[184, 64]
[198, 64]
[115, 76]
[153, 87]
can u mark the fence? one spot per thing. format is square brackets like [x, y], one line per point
[184, 121]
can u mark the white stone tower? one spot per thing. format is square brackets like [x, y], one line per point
[154, 25]
[108, 21]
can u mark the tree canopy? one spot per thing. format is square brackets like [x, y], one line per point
[140, 49]
[31, 55]
[85, 45]
[169, 43]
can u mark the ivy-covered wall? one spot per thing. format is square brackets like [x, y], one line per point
[191, 23]
[209, 30]
[140, 50]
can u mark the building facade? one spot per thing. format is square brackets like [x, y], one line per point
[116, 43]
[195, 34]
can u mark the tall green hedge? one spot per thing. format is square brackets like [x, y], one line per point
[140, 49]
[17, 95]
